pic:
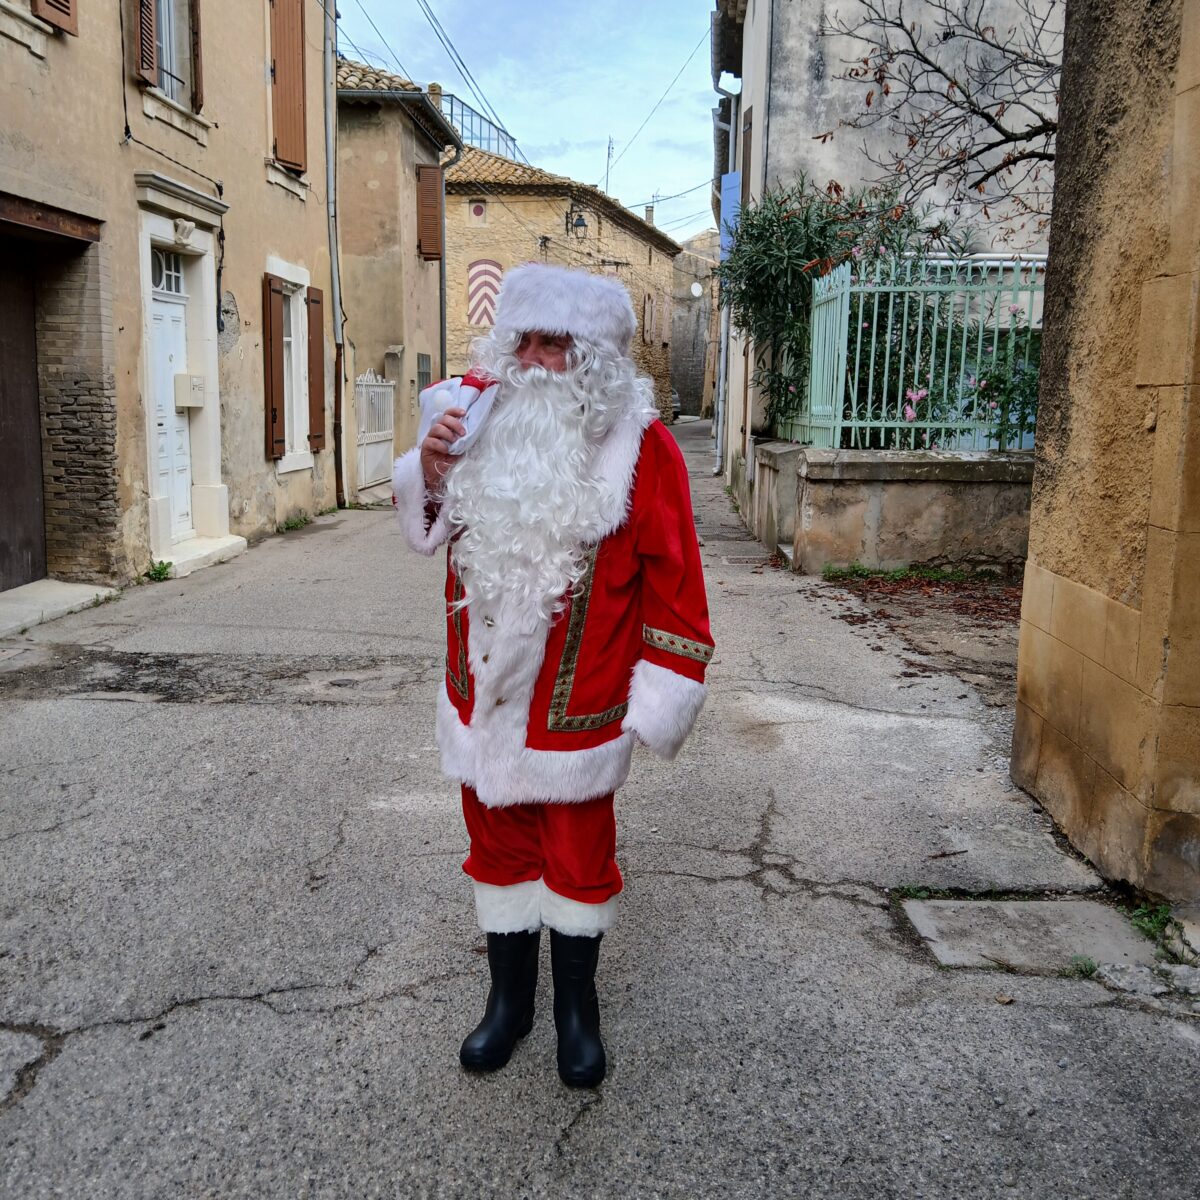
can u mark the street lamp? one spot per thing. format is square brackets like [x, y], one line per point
[576, 223]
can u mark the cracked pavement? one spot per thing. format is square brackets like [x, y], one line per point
[237, 954]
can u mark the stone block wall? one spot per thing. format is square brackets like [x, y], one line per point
[888, 509]
[1108, 716]
[78, 396]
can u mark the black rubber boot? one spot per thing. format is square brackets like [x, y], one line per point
[581, 1061]
[513, 962]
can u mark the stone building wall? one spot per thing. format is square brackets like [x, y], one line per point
[518, 228]
[80, 135]
[692, 332]
[1108, 718]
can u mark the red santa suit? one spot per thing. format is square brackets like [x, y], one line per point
[531, 716]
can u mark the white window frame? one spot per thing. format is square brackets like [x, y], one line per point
[297, 455]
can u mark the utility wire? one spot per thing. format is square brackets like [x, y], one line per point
[664, 199]
[379, 34]
[703, 38]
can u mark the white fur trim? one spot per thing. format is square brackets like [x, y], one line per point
[516, 908]
[615, 463]
[663, 707]
[573, 917]
[493, 759]
[550, 299]
[408, 491]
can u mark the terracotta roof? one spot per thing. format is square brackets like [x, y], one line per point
[481, 166]
[362, 77]
[484, 170]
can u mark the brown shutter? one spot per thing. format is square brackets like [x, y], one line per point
[146, 43]
[62, 14]
[197, 60]
[316, 369]
[747, 143]
[273, 397]
[429, 212]
[287, 84]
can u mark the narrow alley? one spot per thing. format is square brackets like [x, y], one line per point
[240, 954]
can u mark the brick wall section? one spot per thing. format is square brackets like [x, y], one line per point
[79, 417]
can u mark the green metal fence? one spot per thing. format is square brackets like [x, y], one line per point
[930, 354]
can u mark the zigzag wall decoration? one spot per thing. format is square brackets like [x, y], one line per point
[483, 286]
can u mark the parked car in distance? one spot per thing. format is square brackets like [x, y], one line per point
[676, 407]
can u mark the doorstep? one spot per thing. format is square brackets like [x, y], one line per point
[46, 599]
[196, 552]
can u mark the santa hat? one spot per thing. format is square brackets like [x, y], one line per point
[545, 299]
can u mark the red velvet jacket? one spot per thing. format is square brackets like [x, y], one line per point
[554, 718]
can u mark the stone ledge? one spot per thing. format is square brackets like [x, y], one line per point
[777, 455]
[916, 465]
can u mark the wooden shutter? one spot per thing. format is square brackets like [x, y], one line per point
[747, 143]
[316, 369]
[197, 60]
[273, 397]
[429, 212]
[145, 65]
[62, 14]
[287, 84]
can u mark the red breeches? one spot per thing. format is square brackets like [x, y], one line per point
[571, 847]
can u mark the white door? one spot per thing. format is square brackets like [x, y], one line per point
[168, 358]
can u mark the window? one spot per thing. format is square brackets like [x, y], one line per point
[424, 371]
[168, 49]
[166, 272]
[293, 371]
[288, 118]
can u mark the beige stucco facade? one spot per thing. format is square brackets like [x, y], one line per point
[518, 226]
[393, 294]
[1108, 721]
[81, 136]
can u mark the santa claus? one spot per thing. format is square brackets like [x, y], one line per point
[576, 621]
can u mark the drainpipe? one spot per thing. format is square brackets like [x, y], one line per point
[446, 165]
[334, 261]
[723, 352]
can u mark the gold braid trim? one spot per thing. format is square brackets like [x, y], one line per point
[672, 643]
[559, 721]
[459, 679]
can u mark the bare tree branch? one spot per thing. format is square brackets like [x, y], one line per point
[962, 96]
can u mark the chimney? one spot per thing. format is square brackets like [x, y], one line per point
[435, 94]
[649, 214]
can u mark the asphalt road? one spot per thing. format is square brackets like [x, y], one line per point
[237, 954]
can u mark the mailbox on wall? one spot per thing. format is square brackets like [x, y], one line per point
[189, 391]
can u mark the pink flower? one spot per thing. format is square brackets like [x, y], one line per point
[910, 413]
[1014, 309]
[791, 387]
[916, 395]
[866, 324]
[991, 404]
[982, 384]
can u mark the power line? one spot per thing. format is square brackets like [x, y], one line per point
[703, 38]
[379, 34]
[664, 199]
[461, 67]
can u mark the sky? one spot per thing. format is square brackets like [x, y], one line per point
[565, 77]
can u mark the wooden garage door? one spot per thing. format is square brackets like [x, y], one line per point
[22, 519]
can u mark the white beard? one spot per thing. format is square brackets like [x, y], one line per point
[527, 501]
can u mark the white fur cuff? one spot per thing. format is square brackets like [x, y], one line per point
[408, 489]
[663, 707]
[516, 908]
[573, 917]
